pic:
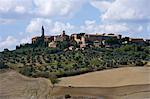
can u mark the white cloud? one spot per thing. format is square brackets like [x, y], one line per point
[20, 9]
[148, 28]
[0, 38]
[56, 7]
[50, 26]
[116, 28]
[5, 5]
[58, 27]
[126, 16]
[17, 6]
[9, 42]
[91, 26]
[25, 40]
[140, 28]
[36, 23]
[129, 30]
[128, 10]
[136, 10]
[101, 5]
[46, 8]
[20, 33]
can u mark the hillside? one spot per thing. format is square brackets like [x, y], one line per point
[121, 83]
[109, 78]
[16, 86]
[55, 62]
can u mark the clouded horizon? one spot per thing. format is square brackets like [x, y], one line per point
[20, 20]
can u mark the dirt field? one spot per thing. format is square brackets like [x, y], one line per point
[121, 83]
[110, 78]
[16, 86]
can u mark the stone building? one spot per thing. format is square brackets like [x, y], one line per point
[58, 38]
[85, 40]
[82, 39]
[147, 41]
[62, 37]
[50, 41]
[52, 44]
[137, 40]
[42, 38]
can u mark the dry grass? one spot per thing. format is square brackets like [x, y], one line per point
[110, 78]
[16, 86]
[121, 83]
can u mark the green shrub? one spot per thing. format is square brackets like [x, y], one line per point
[3, 66]
[67, 96]
[139, 63]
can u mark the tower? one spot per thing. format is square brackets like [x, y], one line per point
[42, 32]
[63, 33]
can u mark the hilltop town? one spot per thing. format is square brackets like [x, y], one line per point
[74, 49]
[63, 55]
[56, 57]
[83, 40]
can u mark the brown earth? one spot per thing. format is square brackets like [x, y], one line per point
[16, 86]
[109, 78]
[121, 83]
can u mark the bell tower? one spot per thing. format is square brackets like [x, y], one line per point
[63, 33]
[43, 32]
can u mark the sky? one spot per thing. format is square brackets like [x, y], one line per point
[20, 20]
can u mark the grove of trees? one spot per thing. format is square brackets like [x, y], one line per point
[55, 62]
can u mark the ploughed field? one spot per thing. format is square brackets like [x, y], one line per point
[16, 86]
[120, 83]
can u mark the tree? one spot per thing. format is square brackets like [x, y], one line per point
[27, 70]
[62, 45]
[139, 63]
[6, 50]
[112, 41]
[74, 43]
[67, 96]
[2, 65]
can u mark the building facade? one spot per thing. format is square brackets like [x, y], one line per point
[50, 41]
[86, 40]
[62, 37]
[97, 40]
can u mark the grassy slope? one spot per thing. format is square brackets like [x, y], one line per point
[122, 83]
[16, 86]
[110, 78]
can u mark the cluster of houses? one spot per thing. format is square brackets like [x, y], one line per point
[85, 40]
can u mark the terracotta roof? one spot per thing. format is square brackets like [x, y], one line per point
[136, 39]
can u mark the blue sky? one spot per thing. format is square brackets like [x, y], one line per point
[22, 19]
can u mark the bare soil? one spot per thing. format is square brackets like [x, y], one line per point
[121, 83]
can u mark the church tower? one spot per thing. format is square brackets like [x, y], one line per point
[43, 32]
[63, 33]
